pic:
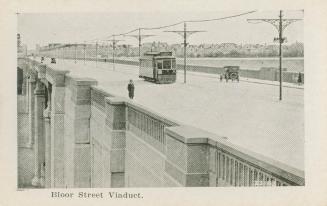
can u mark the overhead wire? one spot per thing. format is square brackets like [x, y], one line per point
[222, 18]
[180, 22]
[170, 25]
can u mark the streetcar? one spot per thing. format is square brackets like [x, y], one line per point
[158, 67]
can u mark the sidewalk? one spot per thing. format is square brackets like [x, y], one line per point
[250, 80]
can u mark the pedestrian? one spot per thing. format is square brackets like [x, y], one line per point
[299, 79]
[226, 77]
[221, 78]
[130, 89]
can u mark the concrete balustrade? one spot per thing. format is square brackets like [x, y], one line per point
[95, 139]
[231, 165]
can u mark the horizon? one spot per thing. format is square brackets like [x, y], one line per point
[67, 28]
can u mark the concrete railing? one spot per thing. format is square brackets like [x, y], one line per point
[227, 164]
[234, 166]
[221, 163]
[148, 125]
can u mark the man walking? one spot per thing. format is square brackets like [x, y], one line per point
[130, 89]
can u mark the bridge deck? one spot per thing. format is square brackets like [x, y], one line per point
[249, 114]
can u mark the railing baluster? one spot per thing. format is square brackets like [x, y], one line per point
[256, 177]
[232, 172]
[224, 167]
[237, 177]
[227, 169]
[250, 177]
[219, 164]
[273, 182]
[247, 175]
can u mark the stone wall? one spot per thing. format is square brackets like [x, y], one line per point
[25, 152]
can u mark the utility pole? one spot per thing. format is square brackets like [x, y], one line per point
[108, 51]
[281, 40]
[185, 34]
[114, 42]
[75, 53]
[185, 46]
[96, 54]
[84, 51]
[63, 52]
[140, 37]
[280, 24]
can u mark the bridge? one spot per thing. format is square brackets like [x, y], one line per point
[78, 129]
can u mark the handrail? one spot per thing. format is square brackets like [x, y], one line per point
[277, 171]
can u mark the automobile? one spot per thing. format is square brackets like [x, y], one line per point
[232, 72]
[53, 60]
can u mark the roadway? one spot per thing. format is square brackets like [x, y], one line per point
[248, 114]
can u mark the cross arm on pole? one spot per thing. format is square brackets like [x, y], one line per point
[275, 22]
[114, 41]
[143, 36]
[188, 33]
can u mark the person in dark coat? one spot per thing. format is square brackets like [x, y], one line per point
[131, 89]
[299, 79]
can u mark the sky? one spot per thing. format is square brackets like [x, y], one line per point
[44, 28]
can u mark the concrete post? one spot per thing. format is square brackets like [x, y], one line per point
[39, 93]
[24, 84]
[116, 139]
[187, 157]
[77, 133]
[47, 129]
[57, 125]
[31, 107]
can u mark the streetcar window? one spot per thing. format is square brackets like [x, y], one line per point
[166, 64]
[159, 65]
[173, 61]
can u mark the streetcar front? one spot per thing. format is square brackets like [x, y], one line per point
[165, 69]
